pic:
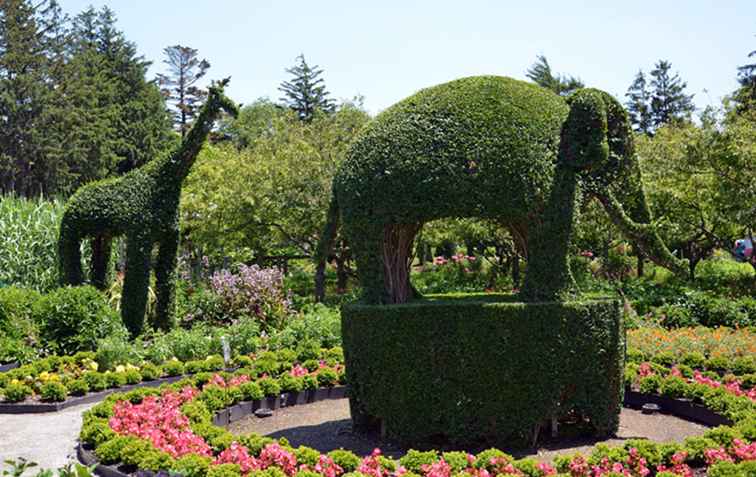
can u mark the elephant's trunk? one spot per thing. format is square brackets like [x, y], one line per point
[643, 235]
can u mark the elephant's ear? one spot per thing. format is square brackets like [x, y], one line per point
[583, 143]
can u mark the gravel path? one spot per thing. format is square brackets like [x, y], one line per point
[48, 439]
[325, 425]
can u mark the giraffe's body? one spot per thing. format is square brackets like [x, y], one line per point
[143, 206]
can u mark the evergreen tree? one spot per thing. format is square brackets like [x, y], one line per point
[180, 87]
[639, 104]
[669, 103]
[540, 73]
[745, 96]
[31, 55]
[306, 92]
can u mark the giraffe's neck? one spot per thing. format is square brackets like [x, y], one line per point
[181, 161]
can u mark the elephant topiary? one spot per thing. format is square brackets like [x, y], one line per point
[489, 147]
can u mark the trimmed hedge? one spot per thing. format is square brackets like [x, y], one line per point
[468, 370]
[143, 206]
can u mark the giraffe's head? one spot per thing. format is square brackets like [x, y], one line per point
[218, 101]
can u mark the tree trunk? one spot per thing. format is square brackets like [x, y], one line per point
[397, 259]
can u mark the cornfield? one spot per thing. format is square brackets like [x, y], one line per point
[28, 242]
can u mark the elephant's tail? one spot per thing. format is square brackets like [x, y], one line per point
[325, 245]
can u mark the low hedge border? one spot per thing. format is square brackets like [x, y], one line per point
[467, 370]
[712, 452]
[268, 363]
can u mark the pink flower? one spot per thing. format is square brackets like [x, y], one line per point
[298, 371]
[437, 469]
[275, 455]
[238, 454]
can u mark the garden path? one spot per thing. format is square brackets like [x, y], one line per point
[48, 439]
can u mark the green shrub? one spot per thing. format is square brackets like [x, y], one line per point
[110, 452]
[695, 360]
[17, 327]
[650, 384]
[16, 392]
[290, 383]
[327, 377]
[725, 469]
[115, 380]
[115, 350]
[133, 452]
[673, 386]
[269, 386]
[156, 460]
[251, 391]
[665, 358]
[718, 364]
[317, 323]
[345, 459]
[53, 391]
[78, 387]
[133, 376]
[224, 470]
[73, 319]
[150, 371]
[307, 455]
[414, 460]
[192, 465]
[95, 380]
[173, 368]
[527, 363]
[743, 365]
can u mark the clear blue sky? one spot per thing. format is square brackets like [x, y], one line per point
[385, 50]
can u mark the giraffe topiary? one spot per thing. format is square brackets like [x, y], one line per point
[143, 206]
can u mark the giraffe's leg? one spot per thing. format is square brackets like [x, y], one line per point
[165, 277]
[136, 283]
[101, 246]
[69, 254]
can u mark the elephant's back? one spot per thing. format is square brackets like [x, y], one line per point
[477, 146]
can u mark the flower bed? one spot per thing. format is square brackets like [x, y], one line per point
[54, 383]
[171, 429]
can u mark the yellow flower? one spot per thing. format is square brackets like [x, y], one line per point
[120, 368]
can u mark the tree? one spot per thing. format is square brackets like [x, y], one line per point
[745, 96]
[669, 102]
[31, 56]
[306, 92]
[540, 73]
[115, 119]
[291, 164]
[639, 104]
[179, 86]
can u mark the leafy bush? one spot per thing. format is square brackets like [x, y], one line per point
[78, 387]
[317, 323]
[15, 392]
[53, 391]
[17, 328]
[73, 319]
[253, 292]
[115, 350]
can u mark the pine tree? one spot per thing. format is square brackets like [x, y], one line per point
[540, 73]
[639, 104]
[115, 119]
[669, 103]
[745, 96]
[306, 92]
[180, 87]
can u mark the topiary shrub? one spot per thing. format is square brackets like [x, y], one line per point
[469, 370]
[452, 149]
[73, 319]
[143, 206]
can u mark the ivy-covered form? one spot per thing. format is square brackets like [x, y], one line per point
[143, 206]
[490, 147]
[469, 368]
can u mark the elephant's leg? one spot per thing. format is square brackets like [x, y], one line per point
[366, 240]
[69, 254]
[548, 275]
[136, 283]
[101, 248]
[165, 278]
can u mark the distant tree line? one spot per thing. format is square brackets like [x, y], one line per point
[75, 104]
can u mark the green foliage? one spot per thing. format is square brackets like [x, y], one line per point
[414, 460]
[395, 344]
[291, 163]
[73, 319]
[115, 350]
[15, 392]
[316, 324]
[224, 470]
[345, 459]
[53, 391]
[18, 331]
[28, 234]
[192, 465]
[143, 206]
[306, 94]
[78, 387]
[540, 73]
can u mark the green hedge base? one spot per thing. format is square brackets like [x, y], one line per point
[479, 369]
